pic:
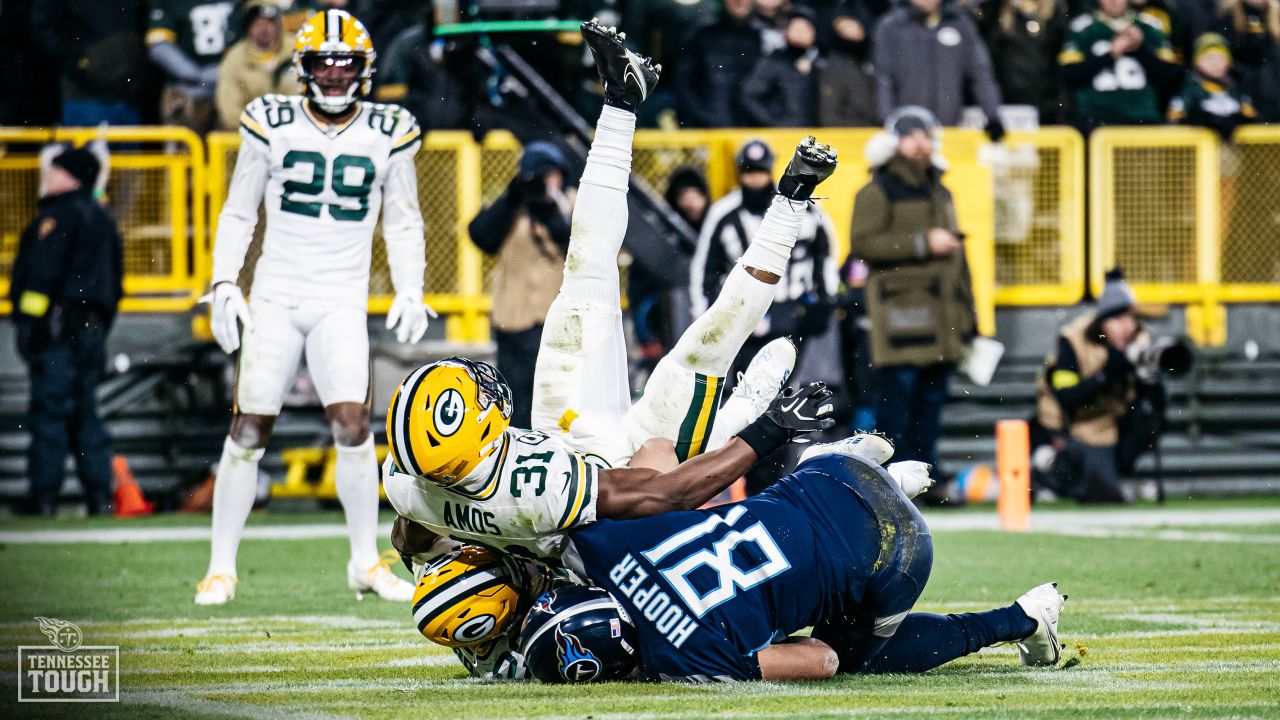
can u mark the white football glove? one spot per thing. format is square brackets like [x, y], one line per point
[226, 306]
[912, 476]
[409, 317]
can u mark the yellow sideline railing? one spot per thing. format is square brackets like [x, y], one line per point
[1039, 201]
[1193, 221]
[156, 192]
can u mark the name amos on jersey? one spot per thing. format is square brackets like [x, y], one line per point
[469, 519]
[521, 499]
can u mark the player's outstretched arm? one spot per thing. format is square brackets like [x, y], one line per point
[639, 492]
[798, 659]
[236, 223]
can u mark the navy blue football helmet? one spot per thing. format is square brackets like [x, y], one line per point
[578, 635]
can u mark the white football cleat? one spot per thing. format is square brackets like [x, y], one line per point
[1043, 604]
[767, 373]
[912, 476]
[216, 589]
[380, 579]
[868, 446]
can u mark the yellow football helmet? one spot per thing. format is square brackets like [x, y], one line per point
[466, 597]
[328, 43]
[447, 417]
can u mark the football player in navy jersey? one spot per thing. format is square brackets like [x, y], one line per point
[714, 595]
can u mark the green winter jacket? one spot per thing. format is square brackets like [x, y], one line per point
[920, 305]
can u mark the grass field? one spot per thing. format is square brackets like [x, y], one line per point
[1173, 613]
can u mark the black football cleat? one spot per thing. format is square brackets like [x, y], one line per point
[627, 77]
[812, 163]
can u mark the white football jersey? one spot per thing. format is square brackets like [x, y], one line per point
[323, 187]
[520, 500]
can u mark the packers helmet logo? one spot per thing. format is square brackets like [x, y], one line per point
[449, 411]
[477, 628]
[576, 663]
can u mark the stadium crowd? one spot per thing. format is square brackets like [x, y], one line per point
[734, 63]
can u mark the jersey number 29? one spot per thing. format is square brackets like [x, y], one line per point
[337, 177]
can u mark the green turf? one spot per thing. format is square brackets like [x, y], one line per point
[1154, 628]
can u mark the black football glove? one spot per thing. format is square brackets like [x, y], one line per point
[792, 414]
[995, 130]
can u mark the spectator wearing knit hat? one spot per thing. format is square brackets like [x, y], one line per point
[919, 297]
[527, 228]
[66, 284]
[1210, 97]
[1087, 388]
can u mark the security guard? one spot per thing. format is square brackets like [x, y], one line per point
[65, 289]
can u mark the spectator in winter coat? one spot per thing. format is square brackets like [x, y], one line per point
[1252, 29]
[928, 53]
[65, 289]
[919, 297]
[782, 89]
[261, 63]
[847, 88]
[1209, 97]
[1113, 64]
[710, 74]
[1024, 37]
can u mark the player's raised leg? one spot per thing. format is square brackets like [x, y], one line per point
[581, 368]
[681, 398]
[269, 356]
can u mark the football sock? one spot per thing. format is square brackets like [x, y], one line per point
[770, 248]
[600, 212]
[609, 160]
[233, 494]
[925, 640]
[357, 481]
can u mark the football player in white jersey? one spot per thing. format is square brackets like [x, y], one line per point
[457, 469]
[323, 164]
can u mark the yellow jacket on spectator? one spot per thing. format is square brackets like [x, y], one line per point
[246, 73]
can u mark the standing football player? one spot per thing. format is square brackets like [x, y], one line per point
[323, 164]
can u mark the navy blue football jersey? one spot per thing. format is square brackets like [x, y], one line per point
[708, 589]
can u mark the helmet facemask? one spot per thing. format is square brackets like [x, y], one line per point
[334, 80]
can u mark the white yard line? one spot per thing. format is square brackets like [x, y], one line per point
[1091, 523]
[176, 534]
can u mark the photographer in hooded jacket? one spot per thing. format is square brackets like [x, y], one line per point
[1100, 399]
[527, 228]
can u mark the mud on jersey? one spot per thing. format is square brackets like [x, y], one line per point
[520, 500]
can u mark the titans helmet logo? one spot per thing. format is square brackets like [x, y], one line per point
[545, 603]
[576, 663]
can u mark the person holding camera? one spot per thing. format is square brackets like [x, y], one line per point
[527, 228]
[1100, 402]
